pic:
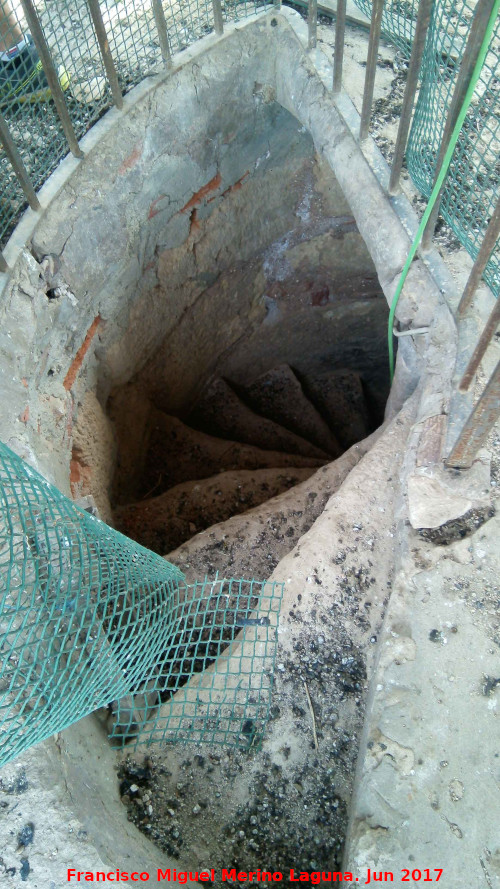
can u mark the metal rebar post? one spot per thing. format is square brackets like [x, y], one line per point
[161, 27]
[371, 67]
[218, 22]
[477, 31]
[107, 58]
[16, 160]
[312, 23]
[50, 72]
[421, 28]
[3, 264]
[338, 58]
[478, 426]
[485, 251]
[277, 5]
[489, 331]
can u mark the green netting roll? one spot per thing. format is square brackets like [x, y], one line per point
[83, 609]
[88, 618]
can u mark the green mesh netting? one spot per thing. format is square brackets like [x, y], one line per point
[472, 187]
[89, 619]
[202, 688]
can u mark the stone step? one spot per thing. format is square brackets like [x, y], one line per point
[338, 579]
[279, 396]
[165, 522]
[339, 397]
[220, 411]
[178, 453]
[252, 544]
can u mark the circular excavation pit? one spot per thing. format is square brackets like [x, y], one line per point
[209, 363]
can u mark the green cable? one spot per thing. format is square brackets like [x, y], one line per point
[441, 177]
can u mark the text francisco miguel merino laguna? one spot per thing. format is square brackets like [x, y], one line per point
[227, 876]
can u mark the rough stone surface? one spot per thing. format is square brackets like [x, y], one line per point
[251, 545]
[332, 607]
[163, 523]
[279, 396]
[427, 769]
[93, 456]
[221, 412]
[437, 495]
[178, 453]
[341, 400]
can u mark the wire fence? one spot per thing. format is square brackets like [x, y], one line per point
[70, 35]
[135, 47]
[472, 187]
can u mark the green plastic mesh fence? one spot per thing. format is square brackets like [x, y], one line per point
[89, 619]
[472, 186]
[204, 688]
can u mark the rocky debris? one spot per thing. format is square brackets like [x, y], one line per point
[340, 399]
[165, 522]
[278, 395]
[178, 453]
[25, 835]
[221, 412]
[459, 528]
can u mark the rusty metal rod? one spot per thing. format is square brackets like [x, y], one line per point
[421, 28]
[312, 23]
[371, 67]
[477, 31]
[488, 333]
[218, 22]
[107, 58]
[338, 59]
[478, 426]
[17, 164]
[486, 249]
[161, 28]
[50, 72]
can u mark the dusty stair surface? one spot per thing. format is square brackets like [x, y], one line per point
[221, 411]
[177, 453]
[252, 544]
[340, 398]
[165, 522]
[278, 395]
[227, 458]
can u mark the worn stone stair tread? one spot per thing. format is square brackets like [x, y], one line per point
[278, 395]
[251, 545]
[339, 397]
[221, 411]
[178, 453]
[165, 522]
